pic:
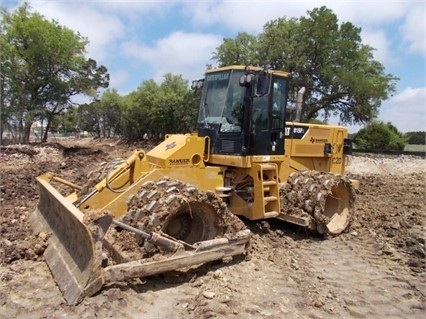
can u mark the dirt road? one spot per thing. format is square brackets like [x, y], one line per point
[375, 270]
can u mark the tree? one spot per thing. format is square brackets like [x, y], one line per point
[137, 110]
[338, 71]
[379, 136]
[158, 109]
[43, 67]
[417, 138]
[65, 123]
[111, 107]
[240, 50]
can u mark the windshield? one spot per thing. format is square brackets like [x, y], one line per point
[222, 102]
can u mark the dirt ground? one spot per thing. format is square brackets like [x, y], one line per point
[374, 270]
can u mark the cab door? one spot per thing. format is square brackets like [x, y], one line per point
[267, 120]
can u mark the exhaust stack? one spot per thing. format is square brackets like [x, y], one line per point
[299, 101]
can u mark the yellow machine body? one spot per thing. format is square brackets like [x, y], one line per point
[184, 157]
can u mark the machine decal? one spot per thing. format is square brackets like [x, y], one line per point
[336, 148]
[296, 131]
[171, 145]
[217, 76]
[318, 140]
[180, 161]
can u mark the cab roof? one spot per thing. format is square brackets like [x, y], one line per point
[244, 67]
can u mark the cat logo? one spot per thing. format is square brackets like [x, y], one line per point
[296, 132]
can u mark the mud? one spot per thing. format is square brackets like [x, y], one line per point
[374, 270]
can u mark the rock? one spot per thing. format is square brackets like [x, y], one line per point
[208, 294]
[294, 264]
[7, 242]
[217, 274]
[395, 225]
[319, 303]
[279, 232]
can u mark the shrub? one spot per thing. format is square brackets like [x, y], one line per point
[379, 136]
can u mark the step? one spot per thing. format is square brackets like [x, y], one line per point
[271, 214]
[270, 198]
[268, 167]
[268, 183]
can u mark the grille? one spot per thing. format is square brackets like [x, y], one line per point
[228, 146]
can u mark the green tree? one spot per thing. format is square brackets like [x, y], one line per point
[157, 109]
[138, 108]
[89, 118]
[102, 117]
[241, 50]
[43, 67]
[110, 111]
[417, 138]
[339, 73]
[66, 122]
[379, 136]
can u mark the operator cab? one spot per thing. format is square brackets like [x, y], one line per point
[242, 110]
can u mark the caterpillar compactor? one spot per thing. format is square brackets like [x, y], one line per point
[177, 205]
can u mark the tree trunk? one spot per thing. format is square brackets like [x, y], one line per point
[20, 137]
[27, 133]
[1, 133]
[46, 131]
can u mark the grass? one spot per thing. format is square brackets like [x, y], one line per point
[415, 148]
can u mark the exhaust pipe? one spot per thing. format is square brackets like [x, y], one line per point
[299, 101]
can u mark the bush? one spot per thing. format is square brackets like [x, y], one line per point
[416, 138]
[379, 137]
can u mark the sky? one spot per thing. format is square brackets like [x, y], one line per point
[138, 40]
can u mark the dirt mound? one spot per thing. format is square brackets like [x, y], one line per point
[386, 164]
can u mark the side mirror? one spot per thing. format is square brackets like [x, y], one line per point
[263, 84]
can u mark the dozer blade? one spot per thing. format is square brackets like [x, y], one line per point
[74, 252]
[71, 252]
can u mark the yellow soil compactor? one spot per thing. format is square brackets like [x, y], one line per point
[177, 205]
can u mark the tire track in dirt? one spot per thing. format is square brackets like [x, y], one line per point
[353, 280]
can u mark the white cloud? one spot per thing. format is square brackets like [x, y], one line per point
[368, 13]
[251, 16]
[414, 29]
[380, 42]
[406, 110]
[239, 16]
[99, 27]
[179, 53]
[118, 79]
